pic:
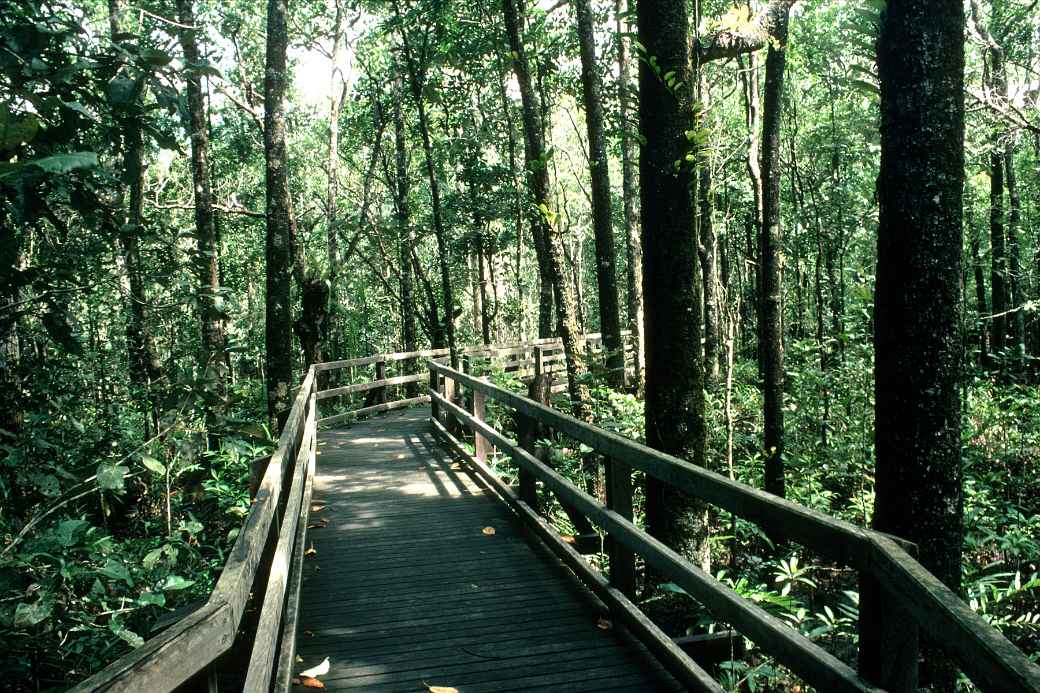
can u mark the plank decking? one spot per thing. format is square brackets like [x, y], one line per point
[406, 591]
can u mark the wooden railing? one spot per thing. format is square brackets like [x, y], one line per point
[905, 598]
[225, 637]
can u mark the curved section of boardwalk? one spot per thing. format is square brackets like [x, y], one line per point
[406, 590]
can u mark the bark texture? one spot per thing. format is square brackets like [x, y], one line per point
[603, 228]
[540, 213]
[917, 316]
[212, 365]
[671, 280]
[278, 335]
[405, 236]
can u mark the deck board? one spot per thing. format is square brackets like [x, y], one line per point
[405, 590]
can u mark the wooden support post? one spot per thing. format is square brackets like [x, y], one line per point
[888, 639]
[539, 362]
[619, 499]
[480, 444]
[449, 421]
[435, 386]
[380, 392]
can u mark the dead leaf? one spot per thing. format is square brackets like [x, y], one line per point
[442, 689]
[456, 465]
[296, 682]
[316, 671]
[604, 623]
[299, 659]
[311, 551]
[308, 682]
[319, 524]
[568, 539]
[488, 531]
[317, 507]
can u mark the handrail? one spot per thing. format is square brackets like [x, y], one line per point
[986, 656]
[192, 645]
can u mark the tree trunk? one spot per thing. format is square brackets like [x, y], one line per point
[980, 291]
[417, 78]
[633, 245]
[998, 249]
[541, 225]
[207, 254]
[336, 95]
[917, 314]
[1014, 249]
[770, 334]
[606, 277]
[405, 236]
[278, 335]
[753, 118]
[674, 406]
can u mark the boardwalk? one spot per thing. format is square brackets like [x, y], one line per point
[406, 590]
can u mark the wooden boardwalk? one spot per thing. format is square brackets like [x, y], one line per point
[407, 591]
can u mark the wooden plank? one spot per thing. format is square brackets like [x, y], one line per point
[989, 659]
[374, 409]
[262, 659]
[287, 654]
[824, 535]
[677, 662]
[171, 658]
[804, 657]
[371, 385]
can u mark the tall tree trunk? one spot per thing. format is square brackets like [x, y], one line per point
[278, 300]
[405, 235]
[336, 94]
[144, 365]
[917, 314]
[417, 78]
[998, 252]
[541, 226]
[771, 337]
[207, 255]
[1014, 249]
[603, 229]
[981, 306]
[484, 261]
[633, 245]
[753, 118]
[708, 255]
[674, 406]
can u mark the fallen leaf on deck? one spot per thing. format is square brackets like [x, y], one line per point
[308, 682]
[488, 531]
[604, 623]
[299, 659]
[442, 689]
[568, 539]
[316, 671]
[309, 633]
[317, 507]
[456, 465]
[318, 524]
[311, 551]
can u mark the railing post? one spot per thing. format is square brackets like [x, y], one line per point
[435, 386]
[480, 444]
[539, 361]
[380, 392]
[449, 421]
[619, 499]
[888, 639]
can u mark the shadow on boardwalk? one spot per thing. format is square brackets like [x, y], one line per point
[406, 590]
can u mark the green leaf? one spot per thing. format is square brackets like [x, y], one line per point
[17, 129]
[151, 559]
[152, 599]
[69, 531]
[30, 613]
[64, 163]
[116, 570]
[176, 582]
[125, 634]
[110, 477]
[155, 57]
[153, 464]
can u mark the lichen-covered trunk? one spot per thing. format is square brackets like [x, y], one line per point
[551, 254]
[998, 253]
[405, 237]
[1017, 318]
[981, 306]
[770, 327]
[674, 405]
[629, 166]
[330, 334]
[212, 365]
[753, 222]
[603, 228]
[278, 322]
[917, 314]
